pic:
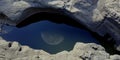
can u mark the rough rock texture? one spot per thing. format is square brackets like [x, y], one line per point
[101, 16]
[81, 51]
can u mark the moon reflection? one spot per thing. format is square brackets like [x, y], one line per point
[52, 38]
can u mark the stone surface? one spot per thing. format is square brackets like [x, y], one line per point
[90, 13]
[81, 51]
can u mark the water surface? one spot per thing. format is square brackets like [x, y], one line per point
[49, 36]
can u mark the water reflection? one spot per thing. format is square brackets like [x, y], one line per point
[49, 36]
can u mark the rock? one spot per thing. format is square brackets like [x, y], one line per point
[91, 13]
[100, 16]
[115, 57]
[89, 51]
[81, 51]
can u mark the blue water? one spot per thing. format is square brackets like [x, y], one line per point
[31, 35]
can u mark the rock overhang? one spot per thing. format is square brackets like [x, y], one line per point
[84, 11]
[91, 14]
[34, 14]
[14, 9]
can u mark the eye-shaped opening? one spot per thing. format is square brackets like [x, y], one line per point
[53, 30]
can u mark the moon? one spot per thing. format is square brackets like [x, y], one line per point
[52, 38]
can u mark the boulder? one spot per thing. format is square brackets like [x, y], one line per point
[81, 51]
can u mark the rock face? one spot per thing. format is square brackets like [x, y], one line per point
[101, 16]
[81, 51]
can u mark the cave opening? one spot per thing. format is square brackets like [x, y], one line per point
[62, 31]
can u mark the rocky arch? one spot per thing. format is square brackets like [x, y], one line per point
[32, 15]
